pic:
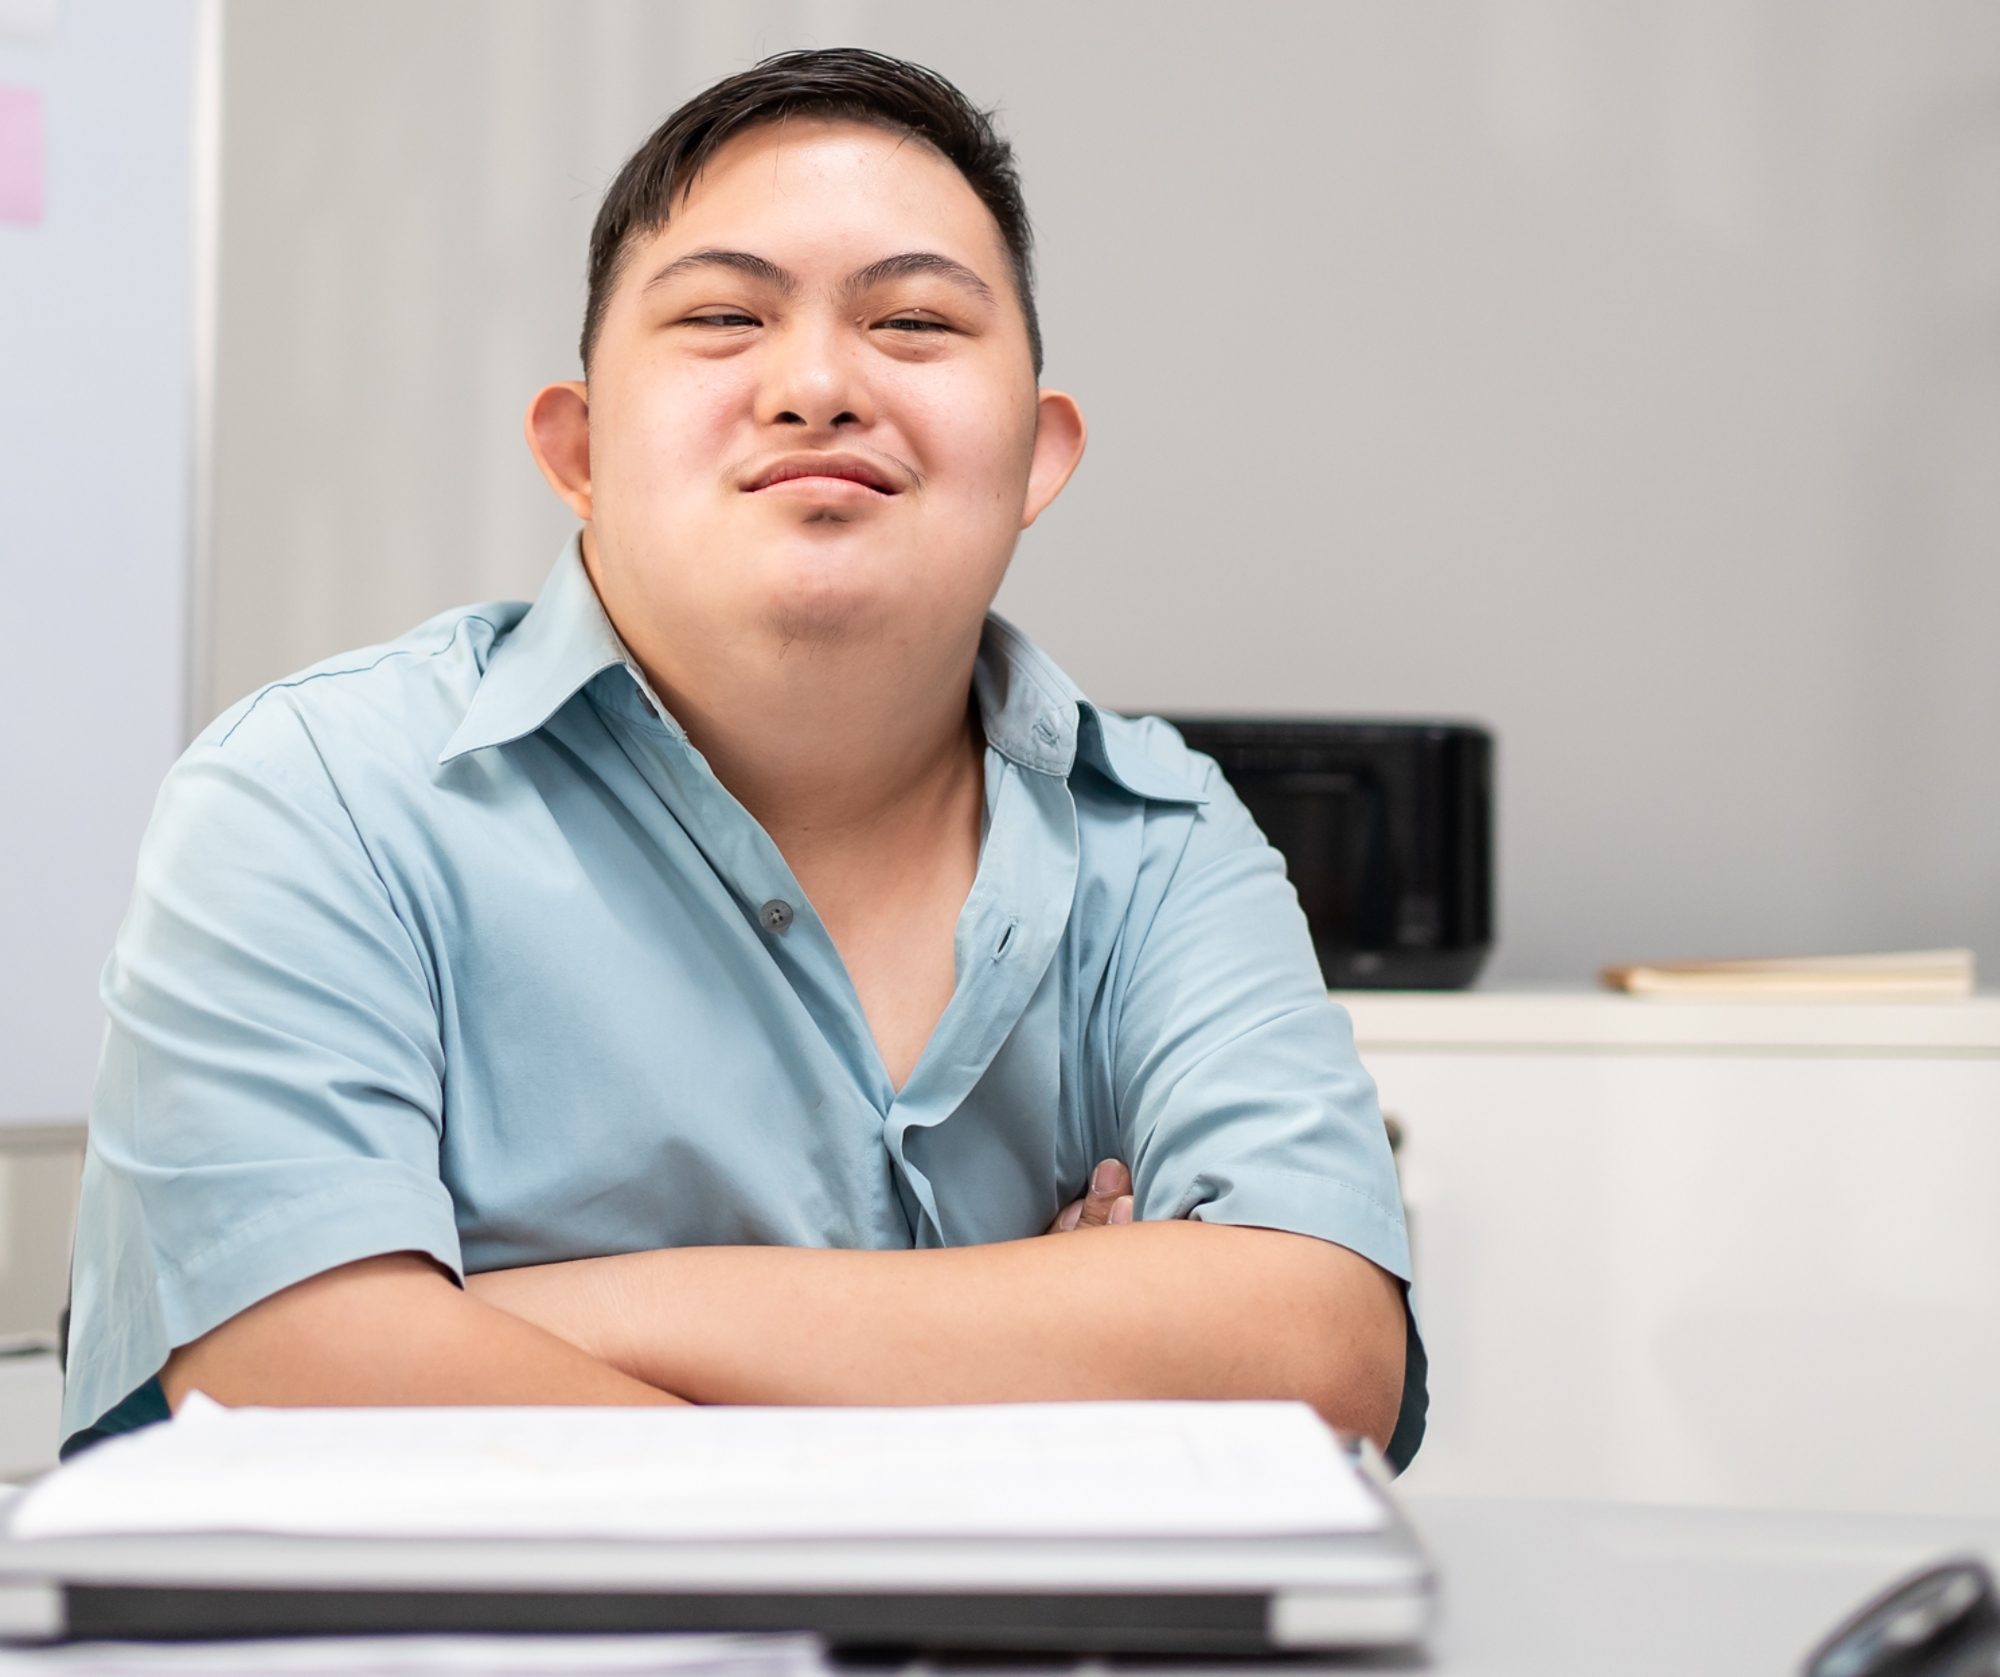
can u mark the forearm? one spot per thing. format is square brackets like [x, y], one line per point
[1156, 1310]
[391, 1330]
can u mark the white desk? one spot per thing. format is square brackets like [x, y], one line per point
[1554, 1589]
[1582, 1590]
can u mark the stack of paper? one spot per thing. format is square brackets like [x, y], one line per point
[432, 1656]
[991, 1471]
[1917, 975]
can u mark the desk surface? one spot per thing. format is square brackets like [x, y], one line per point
[1601, 1589]
[1556, 1589]
[1561, 1589]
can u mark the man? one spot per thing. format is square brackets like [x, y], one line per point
[709, 985]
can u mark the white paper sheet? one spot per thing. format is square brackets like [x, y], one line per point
[431, 1656]
[1005, 1470]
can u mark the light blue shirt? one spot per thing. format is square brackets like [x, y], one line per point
[457, 946]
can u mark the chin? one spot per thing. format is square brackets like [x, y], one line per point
[835, 588]
[826, 597]
[829, 611]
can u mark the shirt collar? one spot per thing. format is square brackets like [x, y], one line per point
[562, 642]
[1032, 713]
[1035, 716]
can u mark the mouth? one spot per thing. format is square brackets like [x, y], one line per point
[818, 470]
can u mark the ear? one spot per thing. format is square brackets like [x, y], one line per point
[558, 431]
[1059, 438]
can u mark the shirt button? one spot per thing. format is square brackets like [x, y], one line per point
[775, 915]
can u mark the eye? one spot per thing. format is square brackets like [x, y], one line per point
[914, 323]
[722, 317]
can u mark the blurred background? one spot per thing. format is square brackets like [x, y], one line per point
[1626, 377]
[1623, 377]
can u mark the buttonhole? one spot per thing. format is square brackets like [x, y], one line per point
[1006, 938]
[1045, 730]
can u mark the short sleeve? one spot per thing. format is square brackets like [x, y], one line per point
[270, 1094]
[1240, 1098]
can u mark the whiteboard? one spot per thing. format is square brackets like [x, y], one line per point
[95, 433]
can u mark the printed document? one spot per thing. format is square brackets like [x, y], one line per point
[1039, 1470]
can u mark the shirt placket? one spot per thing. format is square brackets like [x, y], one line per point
[1008, 934]
[754, 871]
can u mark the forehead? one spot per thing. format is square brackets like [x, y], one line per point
[841, 187]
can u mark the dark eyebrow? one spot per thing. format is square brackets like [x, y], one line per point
[756, 267]
[917, 262]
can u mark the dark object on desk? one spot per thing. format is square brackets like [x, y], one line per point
[1000, 1622]
[1387, 831]
[1944, 1622]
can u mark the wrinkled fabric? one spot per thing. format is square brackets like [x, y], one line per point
[454, 946]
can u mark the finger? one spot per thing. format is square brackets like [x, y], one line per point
[1121, 1210]
[1065, 1219]
[1107, 1183]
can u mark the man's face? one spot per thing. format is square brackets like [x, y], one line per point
[812, 406]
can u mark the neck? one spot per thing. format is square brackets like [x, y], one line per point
[821, 747]
[826, 742]
[859, 754]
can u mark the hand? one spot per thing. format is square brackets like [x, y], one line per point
[1109, 1200]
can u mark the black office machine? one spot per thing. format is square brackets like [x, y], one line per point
[1387, 831]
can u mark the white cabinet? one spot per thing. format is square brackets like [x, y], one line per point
[1699, 1252]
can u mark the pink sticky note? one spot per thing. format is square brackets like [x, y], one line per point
[20, 154]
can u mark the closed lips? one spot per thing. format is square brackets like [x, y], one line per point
[844, 467]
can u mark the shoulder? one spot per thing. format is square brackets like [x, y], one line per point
[341, 747]
[399, 700]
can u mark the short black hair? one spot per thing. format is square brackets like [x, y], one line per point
[842, 83]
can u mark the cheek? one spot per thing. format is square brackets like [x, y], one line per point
[675, 426]
[975, 443]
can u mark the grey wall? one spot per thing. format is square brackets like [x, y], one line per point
[1627, 377]
[95, 363]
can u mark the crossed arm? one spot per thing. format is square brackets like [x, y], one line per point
[1092, 1310]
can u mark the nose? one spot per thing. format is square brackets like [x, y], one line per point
[812, 380]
